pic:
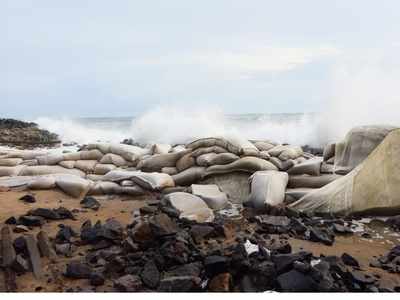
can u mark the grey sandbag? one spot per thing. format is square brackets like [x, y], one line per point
[101, 169]
[128, 152]
[358, 144]
[190, 207]
[307, 181]
[86, 166]
[268, 188]
[290, 152]
[69, 164]
[160, 148]
[150, 181]
[212, 149]
[94, 177]
[156, 162]
[10, 162]
[178, 148]
[46, 170]
[211, 194]
[233, 144]
[204, 160]
[185, 162]
[105, 188]
[12, 171]
[111, 158]
[311, 167]
[282, 165]
[329, 151]
[210, 159]
[189, 176]
[327, 168]
[50, 160]
[169, 170]
[42, 183]
[263, 146]
[246, 164]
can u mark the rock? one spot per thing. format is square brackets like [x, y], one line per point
[142, 233]
[349, 260]
[128, 283]
[199, 232]
[394, 222]
[284, 262]
[28, 198]
[96, 279]
[162, 225]
[20, 229]
[273, 221]
[11, 221]
[362, 278]
[220, 283]
[34, 255]
[295, 281]
[190, 207]
[215, 265]
[211, 194]
[179, 284]
[20, 245]
[148, 210]
[45, 213]
[8, 251]
[65, 249]
[90, 202]
[45, 247]
[268, 188]
[338, 228]
[112, 230]
[64, 213]
[320, 235]
[191, 269]
[78, 270]
[150, 275]
[65, 234]
[20, 265]
[31, 220]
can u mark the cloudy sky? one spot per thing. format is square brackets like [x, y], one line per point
[122, 57]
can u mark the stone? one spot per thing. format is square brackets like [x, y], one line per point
[162, 225]
[362, 278]
[7, 249]
[199, 232]
[20, 265]
[65, 234]
[220, 283]
[210, 193]
[142, 233]
[349, 260]
[284, 262]
[112, 230]
[191, 269]
[20, 229]
[64, 213]
[268, 220]
[28, 198]
[96, 279]
[394, 222]
[78, 270]
[320, 235]
[215, 265]
[295, 281]
[34, 256]
[20, 245]
[45, 213]
[31, 220]
[90, 202]
[179, 284]
[341, 229]
[150, 275]
[45, 247]
[128, 283]
[11, 221]
[148, 210]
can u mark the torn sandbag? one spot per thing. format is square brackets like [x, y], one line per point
[268, 188]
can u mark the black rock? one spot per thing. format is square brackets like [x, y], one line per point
[128, 283]
[179, 284]
[28, 198]
[20, 265]
[320, 235]
[64, 213]
[150, 275]
[162, 225]
[96, 279]
[284, 262]
[362, 278]
[148, 210]
[20, 245]
[301, 266]
[78, 270]
[11, 221]
[349, 260]
[31, 220]
[45, 213]
[175, 252]
[192, 269]
[394, 222]
[338, 228]
[295, 281]
[90, 202]
[268, 220]
[112, 230]
[199, 232]
[89, 233]
[215, 265]
[65, 234]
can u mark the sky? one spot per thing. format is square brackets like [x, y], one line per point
[121, 58]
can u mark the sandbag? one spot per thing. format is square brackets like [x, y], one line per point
[306, 181]
[190, 207]
[263, 146]
[311, 167]
[94, 177]
[114, 159]
[160, 148]
[25, 154]
[211, 159]
[178, 148]
[234, 145]
[277, 150]
[210, 193]
[128, 152]
[72, 185]
[169, 170]
[86, 166]
[245, 164]
[185, 162]
[329, 151]
[268, 188]
[30, 162]
[10, 162]
[50, 160]
[282, 165]
[213, 149]
[101, 169]
[189, 176]
[373, 187]
[46, 170]
[291, 152]
[69, 164]
[156, 162]
[358, 144]
[204, 160]
[94, 154]
[11, 171]
[105, 188]
[298, 193]
[149, 181]
[42, 183]
[327, 168]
